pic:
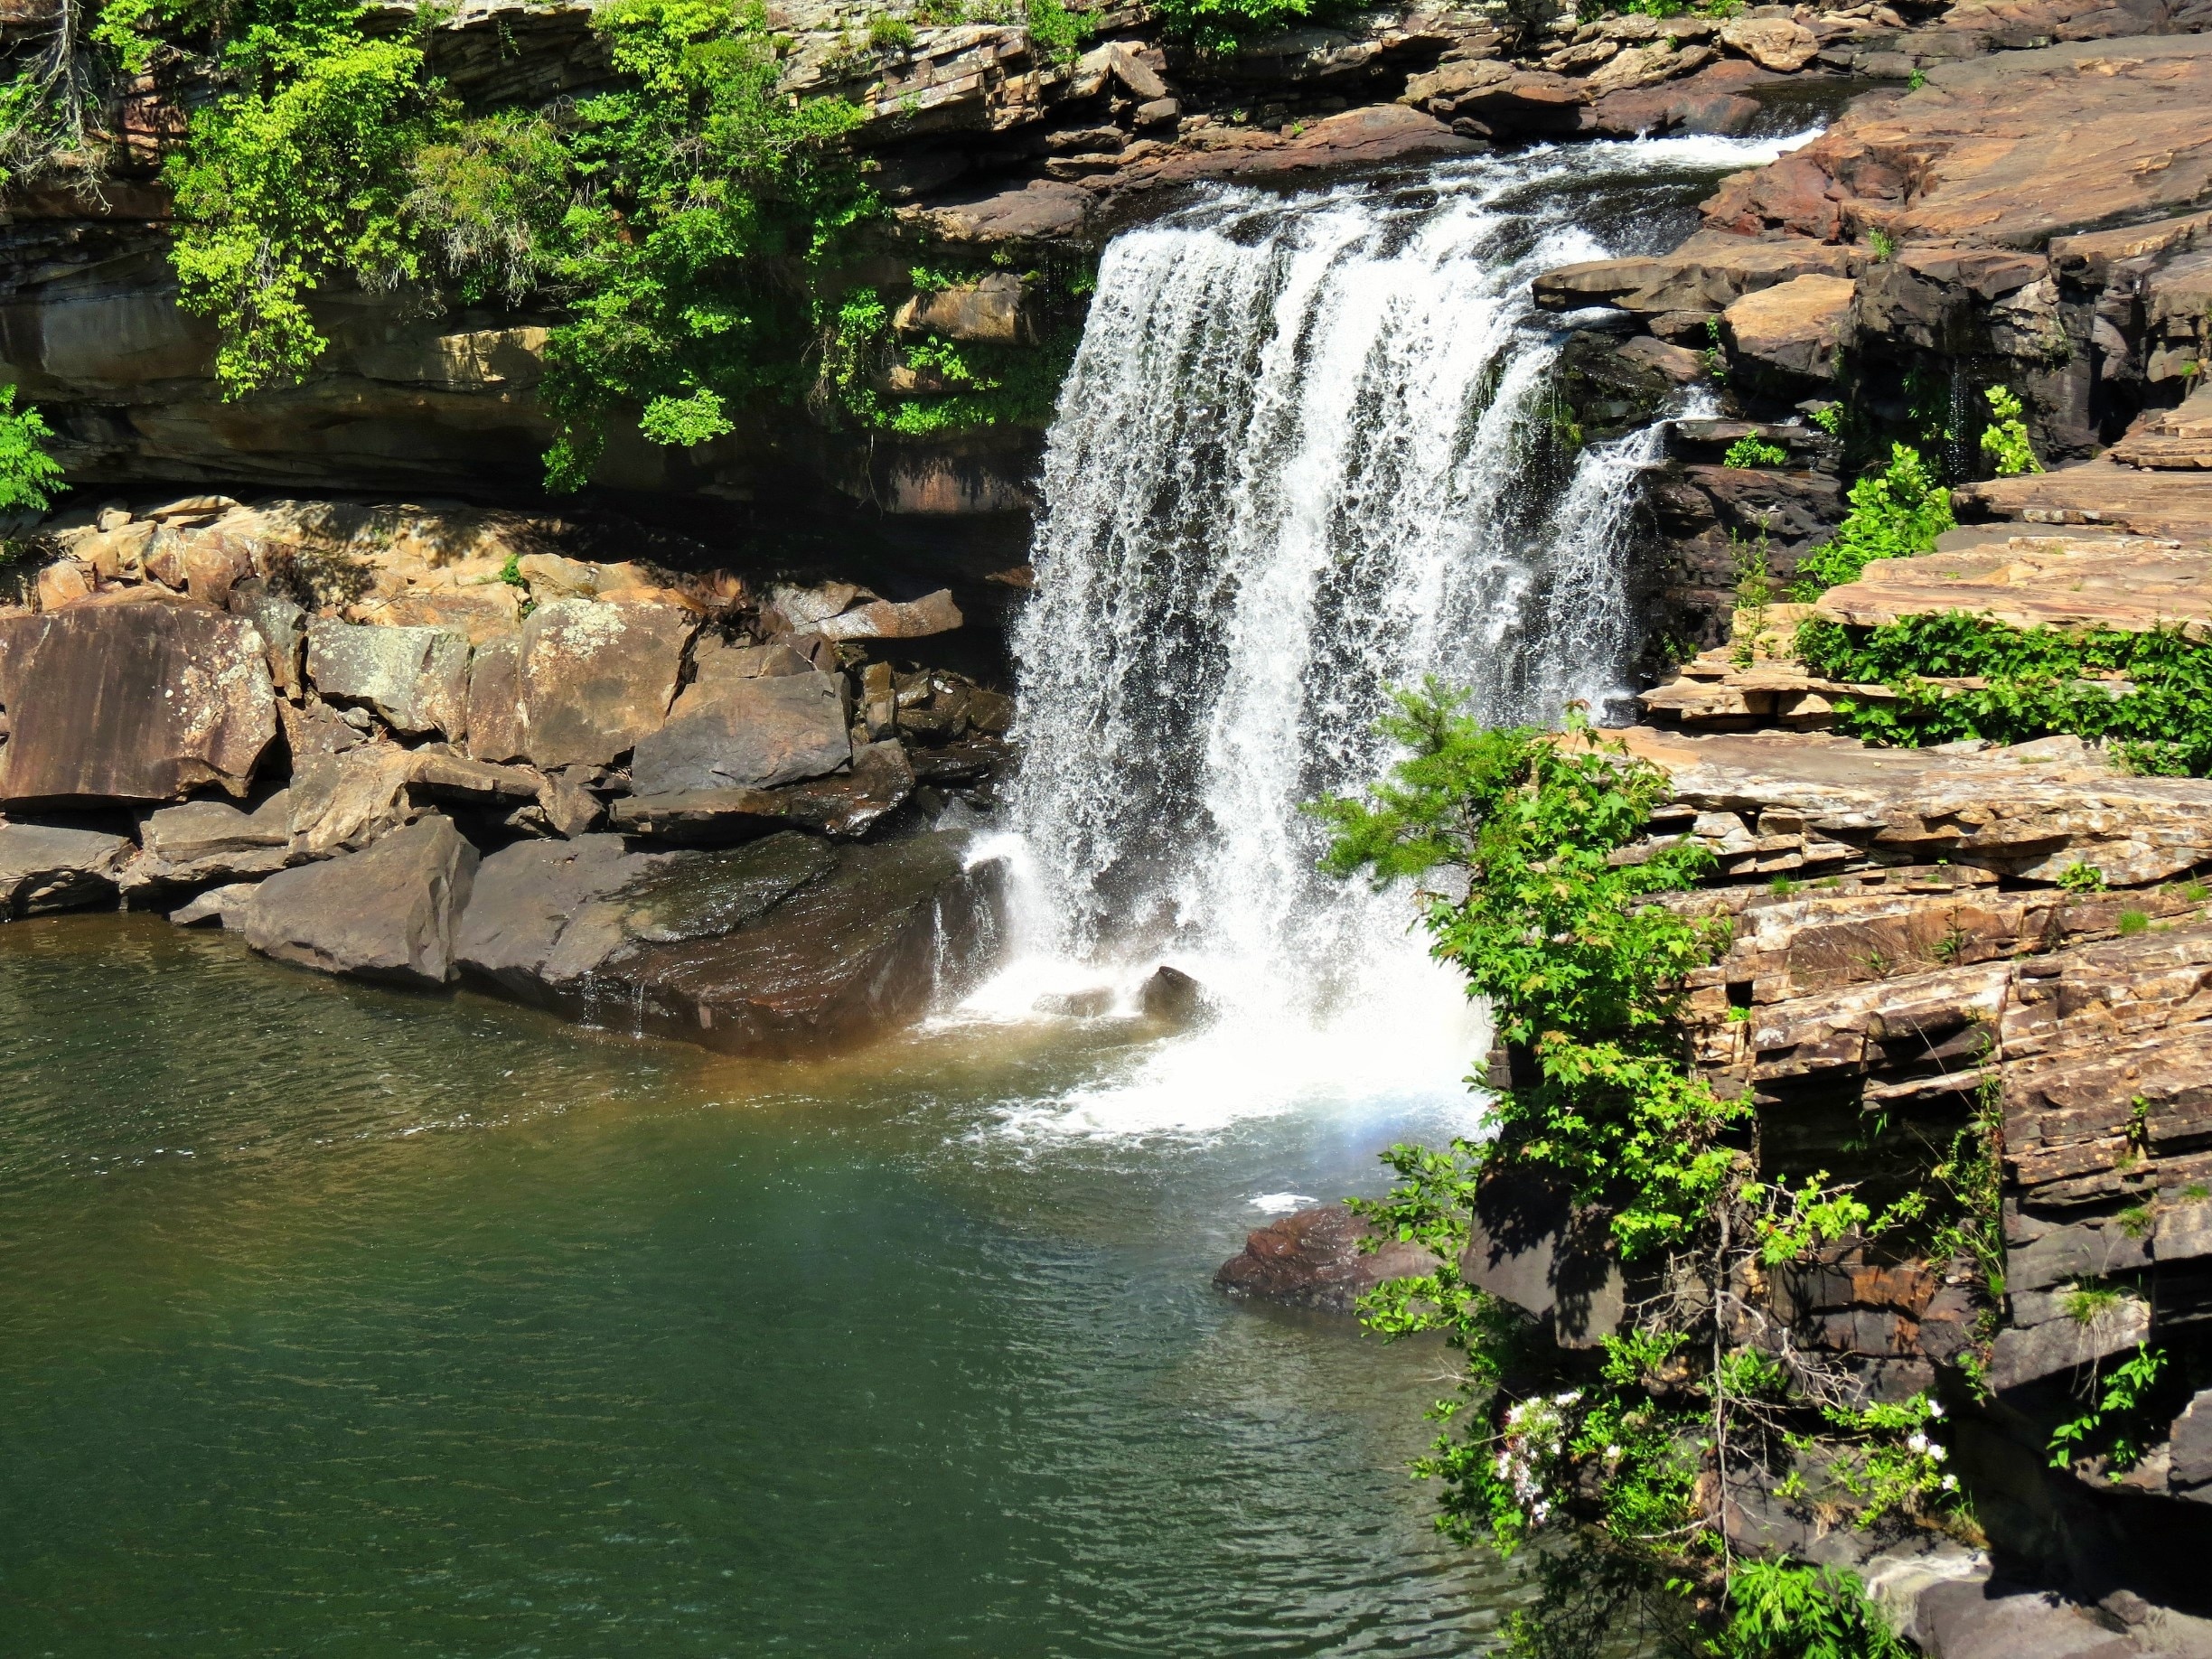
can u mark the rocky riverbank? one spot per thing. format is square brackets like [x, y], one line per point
[420, 746]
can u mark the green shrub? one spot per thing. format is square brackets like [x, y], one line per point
[2004, 441]
[29, 476]
[1782, 1609]
[1223, 25]
[1755, 451]
[2040, 682]
[1895, 513]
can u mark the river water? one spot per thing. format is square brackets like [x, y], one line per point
[337, 1320]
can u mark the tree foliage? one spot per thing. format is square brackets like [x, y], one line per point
[29, 476]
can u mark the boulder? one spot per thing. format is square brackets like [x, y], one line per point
[1708, 273]
[1792, 334]
[383, 914]
[204, 841]
[989, 312]
[282, 625]
[416, 678]
[45, 869]
[132, 702]
[1172, 996]
[595, 677]
[1315, 1259]
[747, 734]
[342, 802]
[226, 907]
[787, 945]
[1771, 43]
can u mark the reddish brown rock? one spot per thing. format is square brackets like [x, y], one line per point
[132, 702]
[597, 677]
[1314, 1259]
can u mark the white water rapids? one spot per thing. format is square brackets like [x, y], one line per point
[1302, 457]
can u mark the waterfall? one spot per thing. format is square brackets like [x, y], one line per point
[1306, 453]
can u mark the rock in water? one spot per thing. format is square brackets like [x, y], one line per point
[785, 946]
[43, 868]
[132, 702]
[1313, 1259]
[747, 734]
[211, 841]
[1173, 996]
[385, 913]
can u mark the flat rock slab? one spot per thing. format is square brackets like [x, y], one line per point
[384, 913]
[2131, 584]
[747, 734]
[847, 803]
[2033, 812]
[1970, 157]
[132, 702]
[2169, 505]
[203, 841]
[45, 868]
[595, 677]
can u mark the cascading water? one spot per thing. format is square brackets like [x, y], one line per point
[1306, 453]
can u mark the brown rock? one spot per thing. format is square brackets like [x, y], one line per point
[495, 725]
[1771, 43]
[132, 702]
[416, 678]
[1794, 332]
[1313, 1259]
[883, 620]
[204, 841]
[597, 677]
[747, 734]
[2037, 581]
[2176, 505]
[45, 868]
[1708, 273]
[383, 914]
[989, 312]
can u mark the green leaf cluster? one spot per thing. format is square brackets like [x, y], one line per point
[2004, 441]
[2148, 693]
[29, 476]
[1895, 513]
[2118, 1426]
[1785, 1609]
[1748, 452]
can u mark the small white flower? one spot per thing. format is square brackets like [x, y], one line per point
[1613, 1451]
[1936, 1408]
[1938, 1452]
[1568, 1398]
[1919, 1442]
[1950, 1483]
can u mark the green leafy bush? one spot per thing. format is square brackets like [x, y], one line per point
[29, 476]
[1223, 25]
[2118, 1426]
[1783, 1609]
[1755, 451]
[1895, 513]
[2040, 683]
[2004, 441]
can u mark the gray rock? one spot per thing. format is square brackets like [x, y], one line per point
[282, 625]
[1968, 1621]
[314, 728]
[1526, 1245]
[538, 921]
[2023, 1355]
[2192, 1448]
[416, 678]
[883, 619]
[747, 734]
[385, 913]
[132, 702]
[225, 905]
[43, 868]
[2086, 1250]
[1173, 996]
[597, 677]
[210, 840]
[845, 804]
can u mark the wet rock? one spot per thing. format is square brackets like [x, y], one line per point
[205, 841]
[384, 913]
[1313, 1259]
[1708, 273]
[132, 702]
[785, 946]
[597, 677]
[1172, 996]
[747, 734]
[416, 678]
[45, 869]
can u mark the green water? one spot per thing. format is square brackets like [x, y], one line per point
[343, 1321]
